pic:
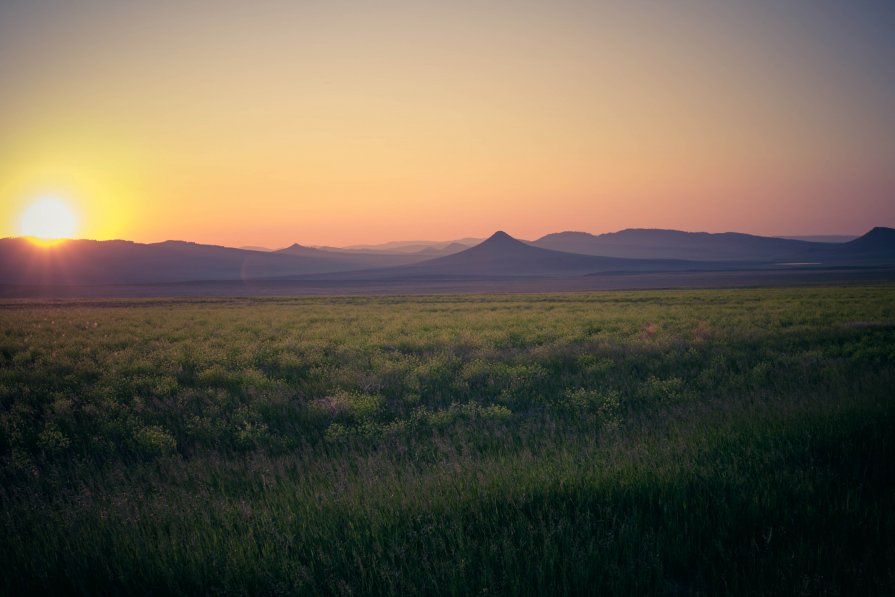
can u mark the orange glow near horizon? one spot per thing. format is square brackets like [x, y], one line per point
[339, 124]
[46, 243]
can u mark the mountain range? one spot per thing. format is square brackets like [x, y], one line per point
[565, 254]
[675, 244]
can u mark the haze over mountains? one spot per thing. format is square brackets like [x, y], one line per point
[503, 255]
[425, 247]
[675, 244]
[416, 246]
[560, 255]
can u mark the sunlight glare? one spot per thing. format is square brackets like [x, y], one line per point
[48, 219]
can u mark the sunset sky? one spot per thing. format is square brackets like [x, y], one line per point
[268, 123]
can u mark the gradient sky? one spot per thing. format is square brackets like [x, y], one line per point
[267, 123]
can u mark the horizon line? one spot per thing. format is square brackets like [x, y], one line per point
[371, 245]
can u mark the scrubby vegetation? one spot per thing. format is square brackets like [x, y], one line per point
[732, 441]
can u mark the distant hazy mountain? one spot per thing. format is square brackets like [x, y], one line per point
[434, 251]
[503, 255]
[83, 262]
[412, 246]
[353, 259]
[638, 243]
[641, 243]
[823, 238]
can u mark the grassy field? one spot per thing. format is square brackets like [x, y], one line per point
[713, 441]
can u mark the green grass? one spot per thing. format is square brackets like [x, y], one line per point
[723, 441]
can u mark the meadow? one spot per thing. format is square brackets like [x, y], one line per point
[651, 442]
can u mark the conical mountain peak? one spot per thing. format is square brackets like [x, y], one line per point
[502, 238]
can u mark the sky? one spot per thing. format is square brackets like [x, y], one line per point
[336, 123]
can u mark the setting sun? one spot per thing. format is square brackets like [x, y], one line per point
[48, 219]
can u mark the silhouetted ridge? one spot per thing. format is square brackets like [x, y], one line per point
[85, 262]
[502, 255]
[878, 235]
[500, 243]
[880, 241]
[649, 243]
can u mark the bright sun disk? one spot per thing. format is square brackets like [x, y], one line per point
[48, 219]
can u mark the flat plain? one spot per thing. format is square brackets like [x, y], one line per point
[650, 442]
